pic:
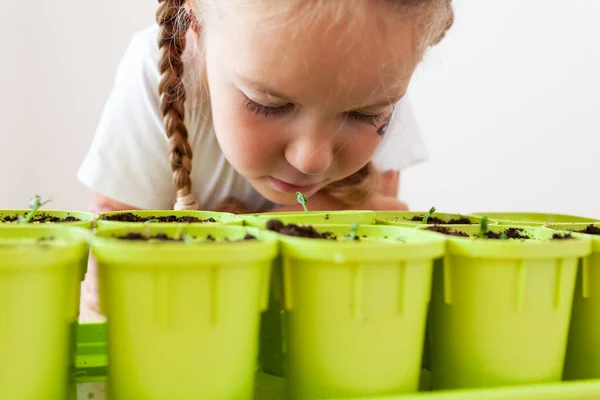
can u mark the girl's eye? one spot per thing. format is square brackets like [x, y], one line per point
[374, 120]
[266, 111]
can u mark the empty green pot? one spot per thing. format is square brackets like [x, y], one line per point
[532, 219]
[355, 310]
[413, 219]
[183, 316]
[500, 309]
[583, 350]
[40, 270]
[76, 218]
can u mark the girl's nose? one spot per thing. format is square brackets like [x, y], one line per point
[311, 154]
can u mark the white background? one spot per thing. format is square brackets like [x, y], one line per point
[508, 103]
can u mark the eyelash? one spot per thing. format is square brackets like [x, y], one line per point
[267, 111]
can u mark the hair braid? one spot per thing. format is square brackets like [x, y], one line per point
[174, 22]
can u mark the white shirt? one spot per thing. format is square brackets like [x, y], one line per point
[128, 160]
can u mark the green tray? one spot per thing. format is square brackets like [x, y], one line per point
[92, 364]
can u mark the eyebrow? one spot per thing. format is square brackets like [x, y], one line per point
[261, 87]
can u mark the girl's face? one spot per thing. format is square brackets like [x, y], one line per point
[301, 100]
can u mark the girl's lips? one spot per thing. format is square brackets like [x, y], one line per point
[291, 188]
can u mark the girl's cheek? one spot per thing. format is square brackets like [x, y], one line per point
[359, 150]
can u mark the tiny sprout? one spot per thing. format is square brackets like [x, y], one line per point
[483, 227]
[302, 200]
[34, 205]
[353, 229]
[503, 236]
[184, 236]
[428, 215]
[150, 221]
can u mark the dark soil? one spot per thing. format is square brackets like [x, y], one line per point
[131, 217]
[297, 230]
[562, 236]
[511, 233]
[42, 217]
[446, 231]
[591, 230]
[438, 221]
[137, 236]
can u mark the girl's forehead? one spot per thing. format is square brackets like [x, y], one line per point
[355, 57]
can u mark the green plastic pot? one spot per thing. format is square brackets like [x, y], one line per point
[500, 309]
[404, 218]
[355, 312]
[583, 350]
[183, 317]
[39, 300]
[532, 219]
[271, 359]
[312, 218]
[220, 218]
[86, 220]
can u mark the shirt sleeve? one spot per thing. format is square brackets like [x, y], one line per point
[128, 159]
[402, 145]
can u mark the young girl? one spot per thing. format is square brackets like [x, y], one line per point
[236, 105]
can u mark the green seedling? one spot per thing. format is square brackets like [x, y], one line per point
[503, 236]
[147, 224]
[183, 235]
[483, 227]
[34, 205]
[302, 200]
[428, 215]
[353, 229]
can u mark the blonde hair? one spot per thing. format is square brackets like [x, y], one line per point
[174, 22]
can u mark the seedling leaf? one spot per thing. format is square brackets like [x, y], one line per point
[301, 198]
[428, 215]
[353, 229]
[34, 205]
[483, 227]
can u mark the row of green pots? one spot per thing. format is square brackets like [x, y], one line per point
[397, 218]
[354, 313]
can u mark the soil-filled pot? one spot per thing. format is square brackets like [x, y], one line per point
[118, 218]
[500, 307]
[312, 217]
[40, 271]
[412, 219]
[583, 350]
[532, 219]
[71, 218]
[183, 308]
[355, 306]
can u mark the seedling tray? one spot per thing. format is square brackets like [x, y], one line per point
[91, 366]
